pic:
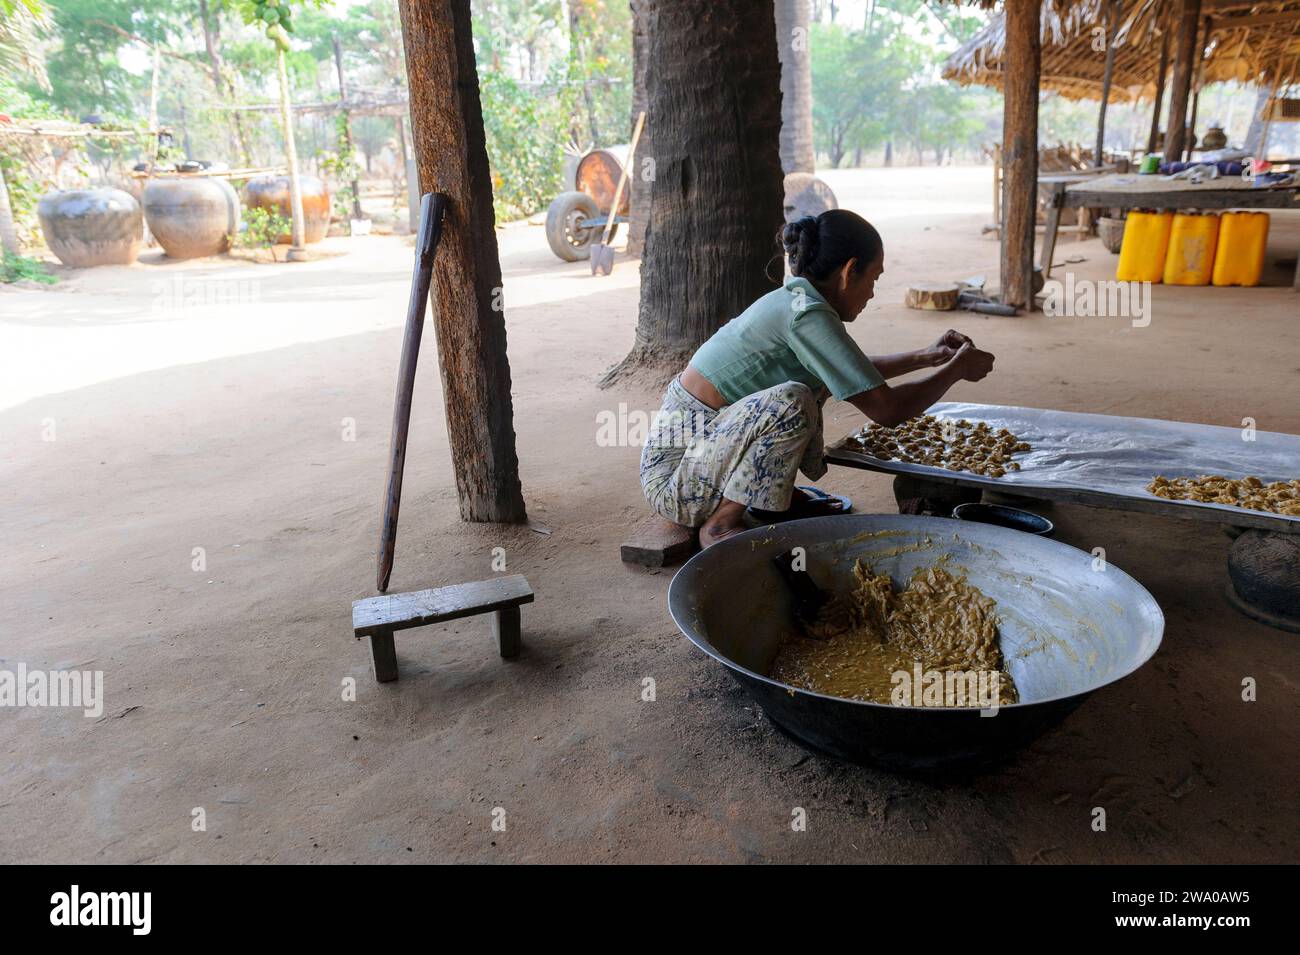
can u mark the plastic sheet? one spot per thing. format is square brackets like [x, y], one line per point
[1115, 455]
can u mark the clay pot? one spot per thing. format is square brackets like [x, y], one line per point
[88, 227]
[272, 192]
[1215, 138]
[192, 217]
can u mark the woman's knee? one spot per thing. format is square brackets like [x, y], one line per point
[797, 402]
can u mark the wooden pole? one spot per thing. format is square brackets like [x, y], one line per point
[1185, 59]
[1020, 151]
[1112, 26]
[451, 155]
[1153, 138]
[1197, 83]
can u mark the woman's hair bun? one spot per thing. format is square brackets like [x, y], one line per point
[801, 240]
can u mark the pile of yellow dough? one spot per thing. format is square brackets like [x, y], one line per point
[1279, 497]
[965, 447]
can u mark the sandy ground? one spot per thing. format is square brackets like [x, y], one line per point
[210, 405]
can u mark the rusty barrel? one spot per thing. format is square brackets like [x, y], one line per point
[598, 173]
[272, 193]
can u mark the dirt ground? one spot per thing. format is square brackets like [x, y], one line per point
[181, 421]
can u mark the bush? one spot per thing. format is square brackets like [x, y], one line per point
[20, 268]
[262, 228]
[526, 131]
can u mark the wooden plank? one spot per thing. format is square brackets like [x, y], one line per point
[655, 542]
[1185, 199]
[389, 612]
[1069, 495]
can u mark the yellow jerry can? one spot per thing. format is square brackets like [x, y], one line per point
[1192, 242]
[1146, 240]
[1240, 256]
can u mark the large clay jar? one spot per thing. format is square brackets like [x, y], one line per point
[272, 192]
[192, 217]
[86, 227]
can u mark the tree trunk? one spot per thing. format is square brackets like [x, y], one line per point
[451, 152]
[796, 86]
[8, 231]
[640, 208]
[716, 199]
[1186, 55]
[225, 89]
[1020, 151]
[290, 152]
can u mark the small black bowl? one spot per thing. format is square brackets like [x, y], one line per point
[1000, 515]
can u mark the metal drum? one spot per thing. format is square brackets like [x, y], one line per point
[598, 174]
[1067, 629]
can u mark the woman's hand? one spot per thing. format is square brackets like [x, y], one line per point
[942, 351]
[970, 363]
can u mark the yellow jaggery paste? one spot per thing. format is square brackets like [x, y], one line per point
[938, 623]
[1278, 497]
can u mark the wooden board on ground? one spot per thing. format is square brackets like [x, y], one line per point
[655, 542]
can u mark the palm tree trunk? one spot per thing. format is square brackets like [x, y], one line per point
[8, 231]
[796, 86]
[716, 197]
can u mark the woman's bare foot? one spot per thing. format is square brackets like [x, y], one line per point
[727, 521]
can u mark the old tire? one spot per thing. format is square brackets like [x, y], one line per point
[564, 230]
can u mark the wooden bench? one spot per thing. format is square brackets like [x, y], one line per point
[379, 617]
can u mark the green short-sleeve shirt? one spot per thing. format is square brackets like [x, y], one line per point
[790, 334]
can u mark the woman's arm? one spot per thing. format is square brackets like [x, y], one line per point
[891, 366]
[891, 405]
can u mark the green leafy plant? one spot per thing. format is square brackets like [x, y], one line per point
[262, 229]
[20, 268]
[526, 130]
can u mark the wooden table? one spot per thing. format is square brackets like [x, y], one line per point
[1133, 191]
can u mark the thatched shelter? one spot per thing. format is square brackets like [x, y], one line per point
[1247, 42]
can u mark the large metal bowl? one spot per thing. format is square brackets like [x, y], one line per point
[1069, 624]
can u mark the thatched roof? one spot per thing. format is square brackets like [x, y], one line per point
[1250, 42]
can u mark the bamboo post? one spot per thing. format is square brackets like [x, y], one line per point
[1020, 151]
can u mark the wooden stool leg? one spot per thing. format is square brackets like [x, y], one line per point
[383, 654]
[505, 624]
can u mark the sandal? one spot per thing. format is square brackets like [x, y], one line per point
[815, 503]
